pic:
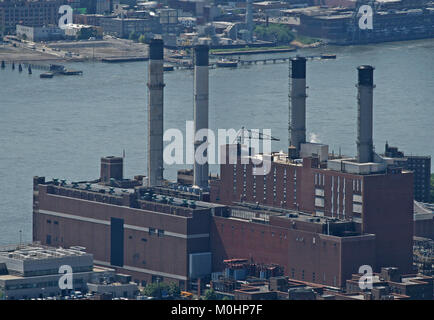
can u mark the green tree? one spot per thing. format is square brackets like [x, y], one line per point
[159, 289]
[85, 33]
[210, 295]
[142, 38]
[225, 298]
[133, 36]
[279, 33]
[174, 290]
[152, 290]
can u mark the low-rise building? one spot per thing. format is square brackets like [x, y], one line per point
[36, 271]
[390, 283]
[34, 13]
[81, 31]
[122, 28]
[121, 287]
[258, 291]
[37, 34]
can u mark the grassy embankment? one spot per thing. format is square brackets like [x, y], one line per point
[280, 34]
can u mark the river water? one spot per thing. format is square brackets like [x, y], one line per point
[60, 127]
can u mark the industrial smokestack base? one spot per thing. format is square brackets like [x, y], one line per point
[365, 101]
[155, 113]
[297, 104]
[201, 97]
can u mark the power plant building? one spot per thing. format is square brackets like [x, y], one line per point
[317, 216]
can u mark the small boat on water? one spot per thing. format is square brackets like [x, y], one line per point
[225, 63]
[56, 68]
[328, 56]
[68, 72]
[46, 75]
[59, 69]
[168, 67]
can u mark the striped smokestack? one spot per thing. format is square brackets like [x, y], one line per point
[155, 112]
[201, 61]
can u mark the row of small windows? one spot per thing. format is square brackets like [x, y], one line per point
[264, 184]
[45, 284]
[283, 236]
[314, 278]
[319, 180]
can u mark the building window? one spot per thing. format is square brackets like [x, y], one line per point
[357, 208]
[319, 202]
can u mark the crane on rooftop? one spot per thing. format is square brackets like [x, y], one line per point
[250, 134]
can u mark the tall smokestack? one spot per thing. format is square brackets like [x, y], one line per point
[297, 104]
[365, 100]
[155, 112]
[201, 61]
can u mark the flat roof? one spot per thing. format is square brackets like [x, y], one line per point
[283, 213]
[39, 252]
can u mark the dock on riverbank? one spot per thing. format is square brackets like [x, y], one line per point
[248, 51]
[124, 59]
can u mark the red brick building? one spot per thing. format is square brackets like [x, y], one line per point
[167, 235]
[124, 227]
[380, 202]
